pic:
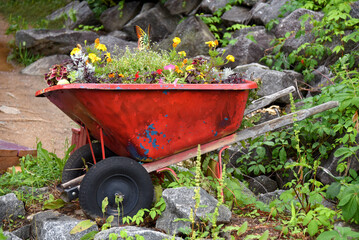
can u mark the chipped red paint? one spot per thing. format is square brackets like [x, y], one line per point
[151, 121]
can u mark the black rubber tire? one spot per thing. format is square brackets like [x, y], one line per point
[116, 175]
[74, 167]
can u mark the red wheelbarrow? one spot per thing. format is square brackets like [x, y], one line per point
[141, 128]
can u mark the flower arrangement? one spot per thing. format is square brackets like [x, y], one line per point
[97, 65]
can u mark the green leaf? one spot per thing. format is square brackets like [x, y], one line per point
[251, 37]
[329, 235]
[243, 228]
[264, 236]
[89, 236]
[82, 226]
[313, 228]
[54, 204]
[333, 190]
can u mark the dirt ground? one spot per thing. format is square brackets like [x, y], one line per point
[37, 119]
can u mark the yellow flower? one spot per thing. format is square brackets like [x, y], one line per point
[212, 44]
[176, 41]
[101, 47]
[108, 57]
[177, 70]
[190, 67]
[93, 57]
[182, 53]
[201, 75]
[121, 75]
[230, 58]
[75, 51]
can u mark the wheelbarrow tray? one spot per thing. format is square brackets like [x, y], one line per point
[148, 122]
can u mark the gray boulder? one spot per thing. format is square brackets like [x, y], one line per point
[11, 236]
[270, 196]
[52, 225]
[193, 33]
[132, 231]
[236, 15]
[250, 3]
[23, 232]
[147, 6]
[181, 6]
[273, 81]
[329, 166]
[354, 12]
[322, 78]
[81, 10]
[262, 184]
[180, 202]
[11, 207]
[41, 66]
[161, 21]
[264, 12]
[51, 42]
[114, 19]
[246, 50]
[292, 23]
[120, 34]
[211, 6]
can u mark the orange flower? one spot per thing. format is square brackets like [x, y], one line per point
[111, 75]
[97, 41]
[185, 61]
[121, 75]
[177, 70]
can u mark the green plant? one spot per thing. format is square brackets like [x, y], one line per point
[89, 28]
[36, 172]
[22, 55]
[341, 233]
[53, 203]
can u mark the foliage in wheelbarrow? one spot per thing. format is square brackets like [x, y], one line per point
[143, 65]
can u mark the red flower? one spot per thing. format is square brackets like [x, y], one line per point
[302, 61]
[137, 76]
[159, 71]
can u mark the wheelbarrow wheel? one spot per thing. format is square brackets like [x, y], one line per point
[116, 178]
[81, 159]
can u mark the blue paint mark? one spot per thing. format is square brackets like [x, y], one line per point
[132, 150]
[204, 122]
[165, 92]
[215, 133]
[119, 88]
[146, 150]
[154, 145]
[164, 135]
[166, 115]
[226, 118]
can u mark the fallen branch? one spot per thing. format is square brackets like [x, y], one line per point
[266, 100]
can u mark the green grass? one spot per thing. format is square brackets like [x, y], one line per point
[28, 10]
